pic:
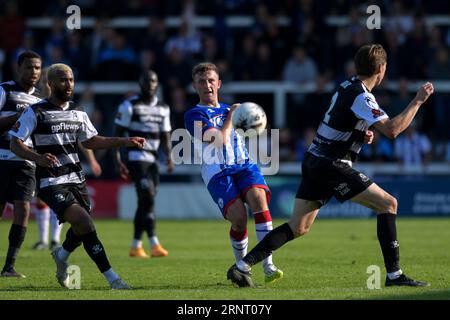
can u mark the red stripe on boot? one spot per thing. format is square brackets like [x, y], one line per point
[238, 235]
[262, 216]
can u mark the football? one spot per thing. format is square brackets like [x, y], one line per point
[249, 117]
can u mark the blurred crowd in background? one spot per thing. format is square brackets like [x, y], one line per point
[306, 49]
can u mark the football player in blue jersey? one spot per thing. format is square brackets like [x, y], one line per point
[232, 179]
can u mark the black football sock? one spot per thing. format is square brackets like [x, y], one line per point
[387, 236]
[139, 226]
[15, 237]
[95, 250]
[72, 241]
[271, 242]
[150, 224]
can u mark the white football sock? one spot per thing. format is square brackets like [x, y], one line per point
[56, 227]
[153, 241]
[63, 254]
[136, 243]
[42, 219]
[110, 275]
[243, 266]
[239, 248]
[261, 230]
[395, 275]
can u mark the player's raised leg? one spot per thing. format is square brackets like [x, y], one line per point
[61, 255]
[71, 204]
[303, 217]
[236, 213]
[256, 198]
[385, 206]
[83, 226]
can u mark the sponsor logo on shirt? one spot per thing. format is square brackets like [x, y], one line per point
[64, 126]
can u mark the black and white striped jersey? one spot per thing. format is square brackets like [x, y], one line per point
[144, 120]
[13, 99]
[56, 130]
[352, 111]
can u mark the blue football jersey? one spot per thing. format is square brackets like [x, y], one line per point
[214, 160]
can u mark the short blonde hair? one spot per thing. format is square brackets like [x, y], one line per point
[203, 67]
[54, 68]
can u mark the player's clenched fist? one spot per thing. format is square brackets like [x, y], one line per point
[424, 92]
[138, 142]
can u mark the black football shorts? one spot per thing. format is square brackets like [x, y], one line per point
[18, 181]
[323, 179]
[62, 196]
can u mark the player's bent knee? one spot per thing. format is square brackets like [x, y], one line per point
[394, 206]
[391, 205]
[238, 220]
[299, 232]
[85, 225]
[79, 219]
[257, 199]
[238, 223]
[386, 204]
[298, 229]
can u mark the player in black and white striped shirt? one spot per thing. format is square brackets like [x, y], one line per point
[327, 168]
[55, 125]
[18, 180]
[145, 116]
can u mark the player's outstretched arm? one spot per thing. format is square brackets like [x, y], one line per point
[123, 170]
[93, 163]
[44, 160]
[100, 142]
[391, 128]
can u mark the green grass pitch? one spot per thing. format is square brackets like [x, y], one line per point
[329, 263]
